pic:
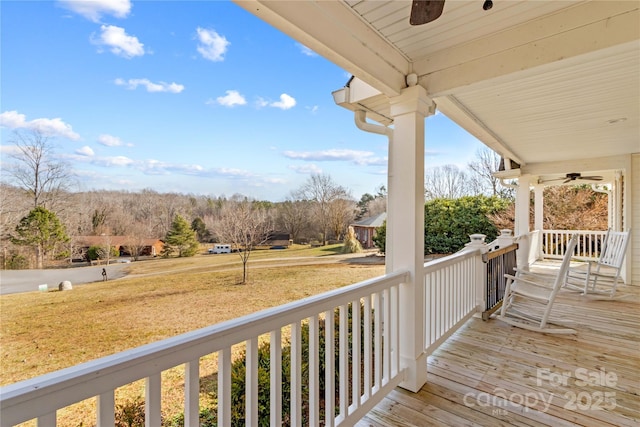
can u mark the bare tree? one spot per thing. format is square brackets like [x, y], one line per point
[35, 168]
[481, 177]
[322, 191]
[138, 237]
[446, 182]
[293, 217]
[244, 224]
[341, 215]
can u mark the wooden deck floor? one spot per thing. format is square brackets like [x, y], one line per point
[493, 374]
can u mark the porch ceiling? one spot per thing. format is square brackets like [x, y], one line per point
[537, 81]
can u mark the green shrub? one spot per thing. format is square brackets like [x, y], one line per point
[449, 222]
[16, 262]
[208, 416]
[351, 243]
[98, 252]
[380, 239]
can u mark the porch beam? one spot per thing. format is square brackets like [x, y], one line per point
[575, 31]
[405, 226]
[620, 162]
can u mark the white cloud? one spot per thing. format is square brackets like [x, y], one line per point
[274, 180]
[94, 9]
[85, 151]
[9, 149]
[306, 169]
[150, 86]
[314, 109]
[328, 155]
[212, 46]
[13, 120]
[261, 102]
[233, 172]
[286, 102]
[116, 161]
[231, 99]
[119, 42]
[305, 50]
[49, 127]
[110, 141]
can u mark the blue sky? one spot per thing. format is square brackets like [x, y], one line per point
[191, 97]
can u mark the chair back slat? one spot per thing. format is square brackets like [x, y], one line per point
[566, 262]
[614, 249]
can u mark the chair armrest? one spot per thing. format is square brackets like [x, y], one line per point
[530, 273]
[517, 279]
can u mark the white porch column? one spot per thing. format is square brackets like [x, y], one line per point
[405, 225]
[521, 231]
[538, 202]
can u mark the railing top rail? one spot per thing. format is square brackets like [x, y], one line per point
[501, 251]
[597, 232]
[443, 262]
[49, 392]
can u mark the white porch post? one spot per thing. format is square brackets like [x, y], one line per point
[539, 216]
[405, 225]
[522, 220]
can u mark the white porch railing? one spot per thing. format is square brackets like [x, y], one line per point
[554, 243]
[368, 366]
[373, 356]
[454, 288]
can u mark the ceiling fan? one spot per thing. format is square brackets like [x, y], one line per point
[424, 11]
[573, 176]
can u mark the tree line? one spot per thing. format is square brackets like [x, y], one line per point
[41, 214]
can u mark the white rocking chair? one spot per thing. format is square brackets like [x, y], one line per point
[524, 287]
[601, 277]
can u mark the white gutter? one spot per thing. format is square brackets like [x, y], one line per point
[507, 185]
[360, 117]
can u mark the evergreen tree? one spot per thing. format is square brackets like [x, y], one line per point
[181, 238]
[200, 228]
[42, 230]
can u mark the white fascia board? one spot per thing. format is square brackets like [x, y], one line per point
[333, 30]
[361, 91]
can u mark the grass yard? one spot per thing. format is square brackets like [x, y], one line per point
[44, 332]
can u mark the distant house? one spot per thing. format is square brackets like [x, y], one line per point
[150, 247]
[279, 239]
[365, 229]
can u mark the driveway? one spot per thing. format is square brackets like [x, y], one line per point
[15, 281]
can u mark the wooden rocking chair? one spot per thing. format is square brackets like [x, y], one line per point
[530, 288]
[601, 277]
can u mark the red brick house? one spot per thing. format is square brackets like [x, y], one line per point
[365, 229]
[150, 247]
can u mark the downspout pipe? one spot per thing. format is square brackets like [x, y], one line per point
[360, 117]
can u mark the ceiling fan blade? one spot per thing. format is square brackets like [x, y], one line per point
[567, 180]
[542, 181]
[592, 178]
[423, 11]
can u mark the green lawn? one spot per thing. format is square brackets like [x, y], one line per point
[43, 332]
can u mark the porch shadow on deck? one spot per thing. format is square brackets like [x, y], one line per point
[542, 376]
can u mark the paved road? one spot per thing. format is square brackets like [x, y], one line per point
[14, 281]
